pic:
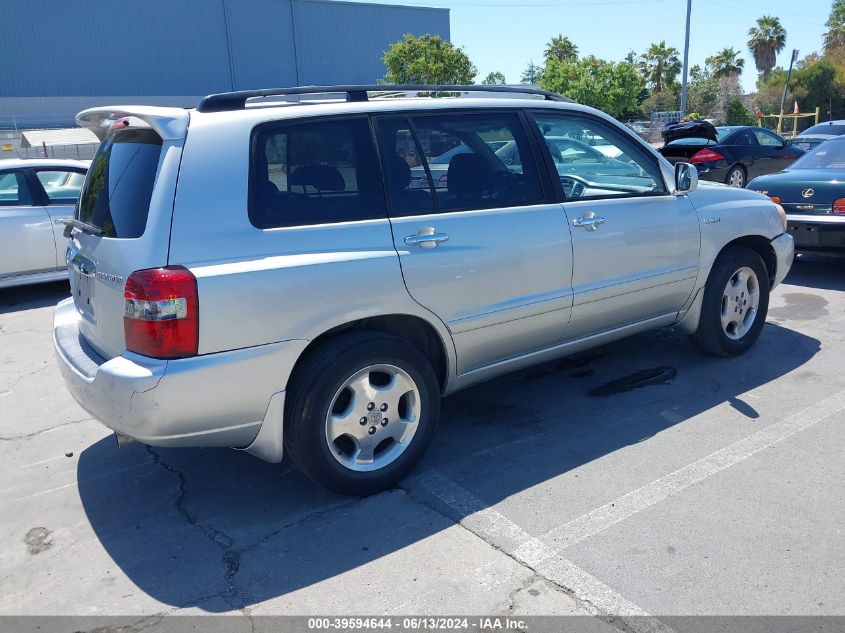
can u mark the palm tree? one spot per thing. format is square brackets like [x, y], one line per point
[765, 41]
[562, 49]
[725, 63]
[834, 37]
[660, 65]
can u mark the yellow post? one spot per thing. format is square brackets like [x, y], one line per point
[817, 115]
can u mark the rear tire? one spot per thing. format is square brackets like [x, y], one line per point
[339, 390]
[735, 304]
[736, 177]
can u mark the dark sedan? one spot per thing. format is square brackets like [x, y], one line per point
[730, 154]
[812, 191]
[818, 134]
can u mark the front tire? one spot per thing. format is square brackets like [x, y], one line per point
[735, 304]
[361, 413]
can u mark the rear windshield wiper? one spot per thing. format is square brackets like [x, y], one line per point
[81, 226]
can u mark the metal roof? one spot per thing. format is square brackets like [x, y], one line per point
[69, 136]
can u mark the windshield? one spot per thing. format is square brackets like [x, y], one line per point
[834, 129]
[827, 155]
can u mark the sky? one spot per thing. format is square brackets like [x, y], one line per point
[503, 35]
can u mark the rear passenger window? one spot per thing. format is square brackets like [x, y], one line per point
[314, 173]
[468, 161]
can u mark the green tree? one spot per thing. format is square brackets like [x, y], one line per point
[427, 59]
[494, 79]
[725, 63]
[834, 37]
[608, 86]
[531, 74]
[765, 41]
[660, 65]
[562, 49]
[703, 90]
[738, 114]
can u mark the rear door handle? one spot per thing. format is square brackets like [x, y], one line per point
[589, 221]
[426, 237]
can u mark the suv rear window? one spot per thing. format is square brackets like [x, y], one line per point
[315, 172]
[117, 192]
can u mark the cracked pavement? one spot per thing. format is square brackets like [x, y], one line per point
[559, 490]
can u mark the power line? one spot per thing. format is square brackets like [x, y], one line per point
[754, 11]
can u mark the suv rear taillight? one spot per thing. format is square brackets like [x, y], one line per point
[839, 206]
[705, 156]
[161, 312]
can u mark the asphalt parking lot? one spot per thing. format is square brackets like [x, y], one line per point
[633, 483]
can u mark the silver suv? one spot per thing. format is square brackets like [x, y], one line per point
[264, 272]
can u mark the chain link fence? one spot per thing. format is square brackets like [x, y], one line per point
[10, 147]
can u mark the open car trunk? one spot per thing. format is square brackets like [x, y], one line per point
[682, 140]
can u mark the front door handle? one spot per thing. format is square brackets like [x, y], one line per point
[426, 237]
[589, 221]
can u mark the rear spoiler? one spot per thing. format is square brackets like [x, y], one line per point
[169, 123]
[688, 129]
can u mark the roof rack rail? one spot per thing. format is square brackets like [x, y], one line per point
[237, 100]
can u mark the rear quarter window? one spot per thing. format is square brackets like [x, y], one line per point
[314, 172]
[117, 191]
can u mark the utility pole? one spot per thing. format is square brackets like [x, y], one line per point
[785, 86]
[686, 63]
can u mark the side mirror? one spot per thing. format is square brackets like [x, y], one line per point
[686, 178]
[787, 141]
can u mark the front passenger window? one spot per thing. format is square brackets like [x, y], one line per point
[592, 160]
[766, 138]
[61, 187]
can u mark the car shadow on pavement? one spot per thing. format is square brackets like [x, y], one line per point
[30, 297]
[218, 529]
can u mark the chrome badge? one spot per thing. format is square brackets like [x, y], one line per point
[115, 281]
[808, 193]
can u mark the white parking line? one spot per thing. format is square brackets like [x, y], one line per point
[629, 504]
[543, 554]
[80, 481]
[507, 536]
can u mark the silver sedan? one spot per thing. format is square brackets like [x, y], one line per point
[37, 197]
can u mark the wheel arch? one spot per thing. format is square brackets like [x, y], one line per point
[413, 329]
[762, 246]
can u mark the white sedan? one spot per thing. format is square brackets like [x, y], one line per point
[37, 197]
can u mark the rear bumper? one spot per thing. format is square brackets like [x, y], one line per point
[818, 233]
[221, 399]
